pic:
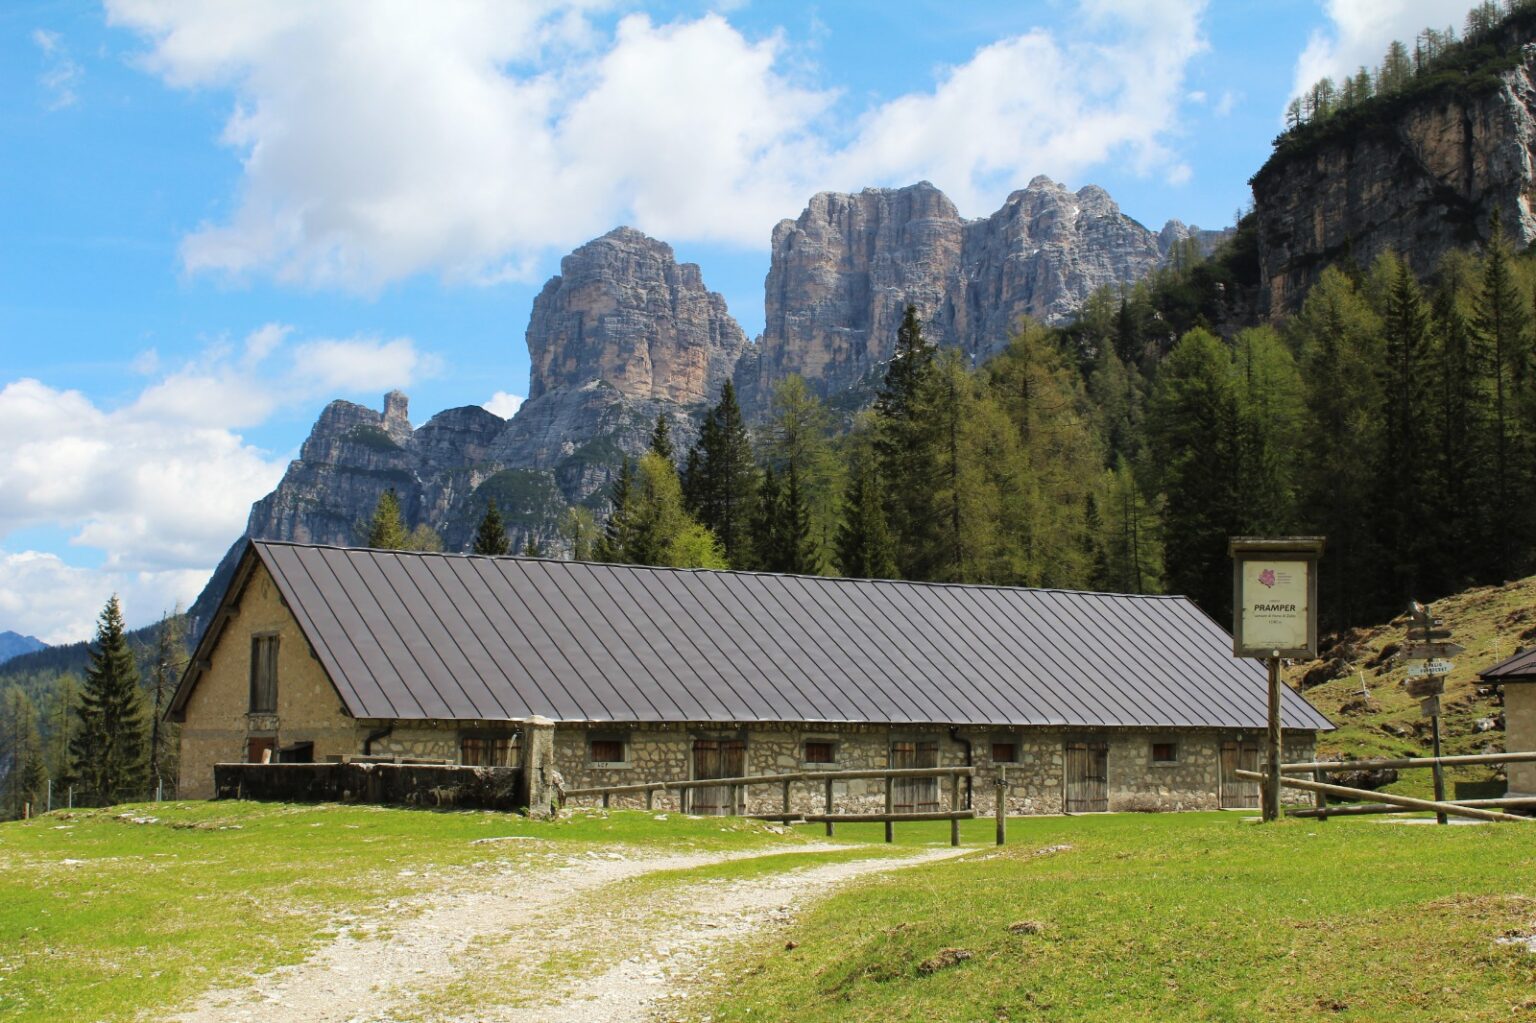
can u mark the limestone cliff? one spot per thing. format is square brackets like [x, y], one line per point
[843, 272]
[1417, 174]
[624, 311]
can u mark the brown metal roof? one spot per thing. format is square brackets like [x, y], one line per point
[1519, 668]
[412, 636]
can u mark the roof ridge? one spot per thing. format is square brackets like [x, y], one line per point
[939, 584]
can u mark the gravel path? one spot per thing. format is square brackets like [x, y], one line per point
[535, 935]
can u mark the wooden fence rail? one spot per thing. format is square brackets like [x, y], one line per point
[1406, 762]
[1408, 802]
[954, 815]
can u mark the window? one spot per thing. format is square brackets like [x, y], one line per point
[606, 751]
[1165, 753]
[819, 751]
[1005, 753]
[263, 674]
[486, 751]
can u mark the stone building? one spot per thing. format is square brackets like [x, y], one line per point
[1517, 675]
[614, 674]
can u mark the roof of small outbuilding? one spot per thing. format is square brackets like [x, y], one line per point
[407, 635]
[1519, 668]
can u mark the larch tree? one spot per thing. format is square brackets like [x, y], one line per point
[108, 751]
[170, 661]
[386, 529]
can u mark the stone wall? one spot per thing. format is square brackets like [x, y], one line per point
[1520, 734]
[1035, 780]
[218, 723]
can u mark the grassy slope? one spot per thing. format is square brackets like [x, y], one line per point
[101, 917]
[1492, 622]
[1170, 917]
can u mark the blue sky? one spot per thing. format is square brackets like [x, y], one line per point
[214, 218]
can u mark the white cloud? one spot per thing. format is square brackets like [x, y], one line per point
[384, 138]
[60, 74]
[161, 485]
[42, 595]
[1359, 31]
[503, 404]
[359, 364]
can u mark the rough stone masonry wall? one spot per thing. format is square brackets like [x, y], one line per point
[218, 723]
[1520, 734]
[662, 752]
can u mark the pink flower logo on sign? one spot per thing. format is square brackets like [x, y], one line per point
[1267, 577]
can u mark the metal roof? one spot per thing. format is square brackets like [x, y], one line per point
[407, 635]
[1519, 668]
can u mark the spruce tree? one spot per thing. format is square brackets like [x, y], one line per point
[1406, 476]
[661, 437]
[22, 770]
[386, 529]
[766, 518]
[865, 549]
[800, 553]
[722, 480]
[491, 537]
[907, 446]
[107, 753]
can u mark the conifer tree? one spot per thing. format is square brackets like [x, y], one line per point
[783, 531]
[663, 533]
[532, 548]
[1461, 434]
[661, 437]
[580, 532]
[864, 545]
[907, 447]
[722, 481]
[618, 532]
[491, 536]
[1406, 476]
[797, 434]
[765, 522]
[386, 529]
[107, 753]
[21, 753]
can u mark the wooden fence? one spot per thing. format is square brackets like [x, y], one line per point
[831, 819]
[1386, 802]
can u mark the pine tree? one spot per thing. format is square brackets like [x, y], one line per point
[170, 660]
[722, 480]
[661, 437]
[107, 752]
[386, 529]
[864, 546]
[491, 537]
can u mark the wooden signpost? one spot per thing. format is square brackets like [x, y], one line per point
[1274, 611]
[1428, 645]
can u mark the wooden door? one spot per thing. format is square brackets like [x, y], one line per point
[255, 748]
[1087, 777]
[915, 795]
[716, 758]
[1239, 793]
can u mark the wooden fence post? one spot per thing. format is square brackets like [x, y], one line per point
[1322, 797]
[605, 800]
[890, 807]
[1001, 809]
[650, 799]
[829, 806]
[786, 802]
[735, 800]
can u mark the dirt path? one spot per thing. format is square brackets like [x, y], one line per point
[538, 935]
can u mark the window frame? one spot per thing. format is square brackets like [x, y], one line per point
[608, 737]
[831, 744]
[509, 744]
[1156, 761]
[271, 641]
[1009, 741]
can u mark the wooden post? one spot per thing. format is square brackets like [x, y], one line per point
[1001, 809]
[1391, 797]
[605, 800]
[829, 806]
[1272, 775]
[786, 802]
[890, 807]
[26, 811]
[1322, 797]
[735, 800]
[1434, 724]
[650, 799]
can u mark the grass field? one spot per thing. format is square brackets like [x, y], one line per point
[1171, 917]
[1142, 917]
[101, 916]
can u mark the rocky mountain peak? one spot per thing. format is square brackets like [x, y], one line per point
[624, 311]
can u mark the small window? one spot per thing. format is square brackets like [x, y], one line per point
[486, 751]
[263, 674]
[820, 751]
[1005, 753]
[1165, 753]
[607, 751]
